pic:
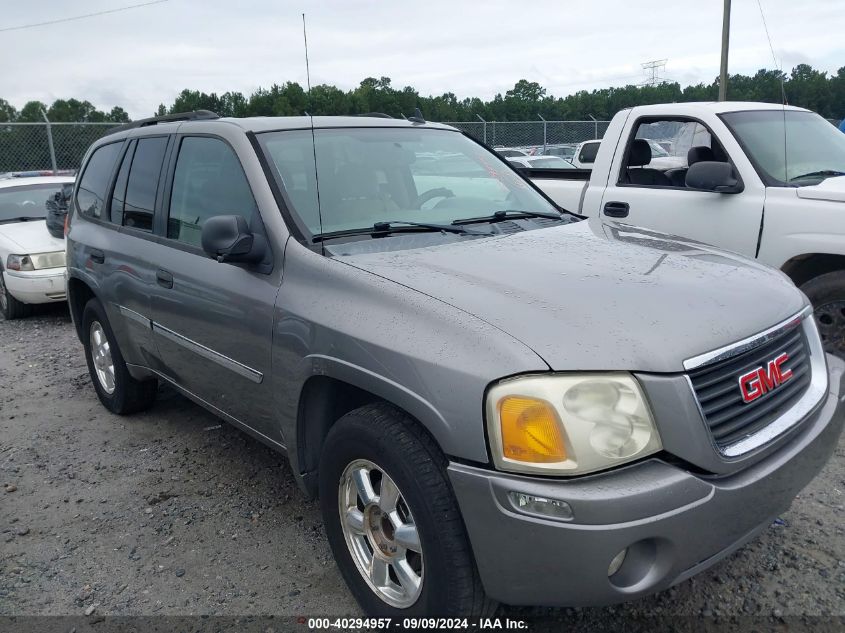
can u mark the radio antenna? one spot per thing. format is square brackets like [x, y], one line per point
[311, 117]
[307, 65]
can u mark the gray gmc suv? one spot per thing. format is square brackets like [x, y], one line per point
[494, 399]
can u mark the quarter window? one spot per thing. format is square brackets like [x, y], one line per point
[92, 187]
[208, 181]
[142, 184]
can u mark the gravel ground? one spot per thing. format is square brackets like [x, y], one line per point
[174, 512]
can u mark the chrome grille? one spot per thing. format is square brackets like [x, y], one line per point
[716, 387]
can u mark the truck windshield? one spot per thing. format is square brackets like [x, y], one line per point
[791, 148]
[372, 175]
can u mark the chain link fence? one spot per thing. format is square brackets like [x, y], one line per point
[531, 133]
[47, 146]
[51, 146]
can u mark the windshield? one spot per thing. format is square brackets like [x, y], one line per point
[370, 175]
[26, 201]
[795, 148]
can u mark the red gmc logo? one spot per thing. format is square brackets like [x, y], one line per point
[758, 382]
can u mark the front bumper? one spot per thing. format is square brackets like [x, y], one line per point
[673, 522]
[36, 286]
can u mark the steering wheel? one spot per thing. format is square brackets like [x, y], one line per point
[431, 194]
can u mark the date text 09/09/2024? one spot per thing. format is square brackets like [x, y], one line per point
[415, 623]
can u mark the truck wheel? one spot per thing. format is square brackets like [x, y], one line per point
[827, 294]
[9, 306]
[392, 520]
[118, 391]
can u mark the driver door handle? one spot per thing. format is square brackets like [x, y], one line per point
[616, 209]
[164, 278]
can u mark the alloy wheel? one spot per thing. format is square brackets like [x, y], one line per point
[101, 355]
[380, 533]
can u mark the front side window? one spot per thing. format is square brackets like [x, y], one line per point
[661, 152]
[142, 185]
[209, 181]
[95, 180]
[790, 147]
[370, 175]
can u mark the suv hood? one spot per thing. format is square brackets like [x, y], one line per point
[30, 237]
[599, 296]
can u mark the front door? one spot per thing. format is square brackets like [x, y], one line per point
[212, 322]
[657, 198]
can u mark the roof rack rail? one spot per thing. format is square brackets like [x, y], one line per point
[377, 115]
[194, 115]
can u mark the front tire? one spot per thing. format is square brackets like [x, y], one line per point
[392, 519]
[827, 294]
[10, 307]
[118, 391]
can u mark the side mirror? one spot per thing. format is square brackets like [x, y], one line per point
[708, 175]
[227, 238]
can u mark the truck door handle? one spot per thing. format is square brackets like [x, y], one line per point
[164, 278]
[98, 257]
[616, 209]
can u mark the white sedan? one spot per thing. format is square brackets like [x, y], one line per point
[32, 262]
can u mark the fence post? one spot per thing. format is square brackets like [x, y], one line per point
[50, 142]
[484, 127]
[545, 124]
[595, 126]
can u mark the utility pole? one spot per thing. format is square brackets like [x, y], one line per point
[726, 35]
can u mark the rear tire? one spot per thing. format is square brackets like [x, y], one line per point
[827, 294]
[10, 307]
[439, 577]
[118, 391]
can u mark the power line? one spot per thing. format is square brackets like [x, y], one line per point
[79, 17]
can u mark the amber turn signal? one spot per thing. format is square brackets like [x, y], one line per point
[531, 431]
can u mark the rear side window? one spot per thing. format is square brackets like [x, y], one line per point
[588, 152]
[208, 181]
[142, 185]
[119, 196]
[95, 180]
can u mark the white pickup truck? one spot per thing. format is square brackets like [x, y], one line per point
[762, 180]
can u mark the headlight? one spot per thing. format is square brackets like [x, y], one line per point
[569, 424]
[37, 261]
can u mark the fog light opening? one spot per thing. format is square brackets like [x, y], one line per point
[616, 563]
[542, 506]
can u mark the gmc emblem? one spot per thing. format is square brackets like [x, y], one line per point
[758, 382]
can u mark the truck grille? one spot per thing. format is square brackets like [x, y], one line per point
[717, 389]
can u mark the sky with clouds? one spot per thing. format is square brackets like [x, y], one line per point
[139, 58]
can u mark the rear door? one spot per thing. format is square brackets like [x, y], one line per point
[212, 322]
[729, 221]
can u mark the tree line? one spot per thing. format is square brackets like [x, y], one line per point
[804, 86]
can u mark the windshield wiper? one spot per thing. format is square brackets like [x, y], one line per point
[822, 173]
[509, 214]
[394, 226]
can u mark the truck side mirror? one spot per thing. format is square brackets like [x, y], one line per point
[227, 238]
[709, 175]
